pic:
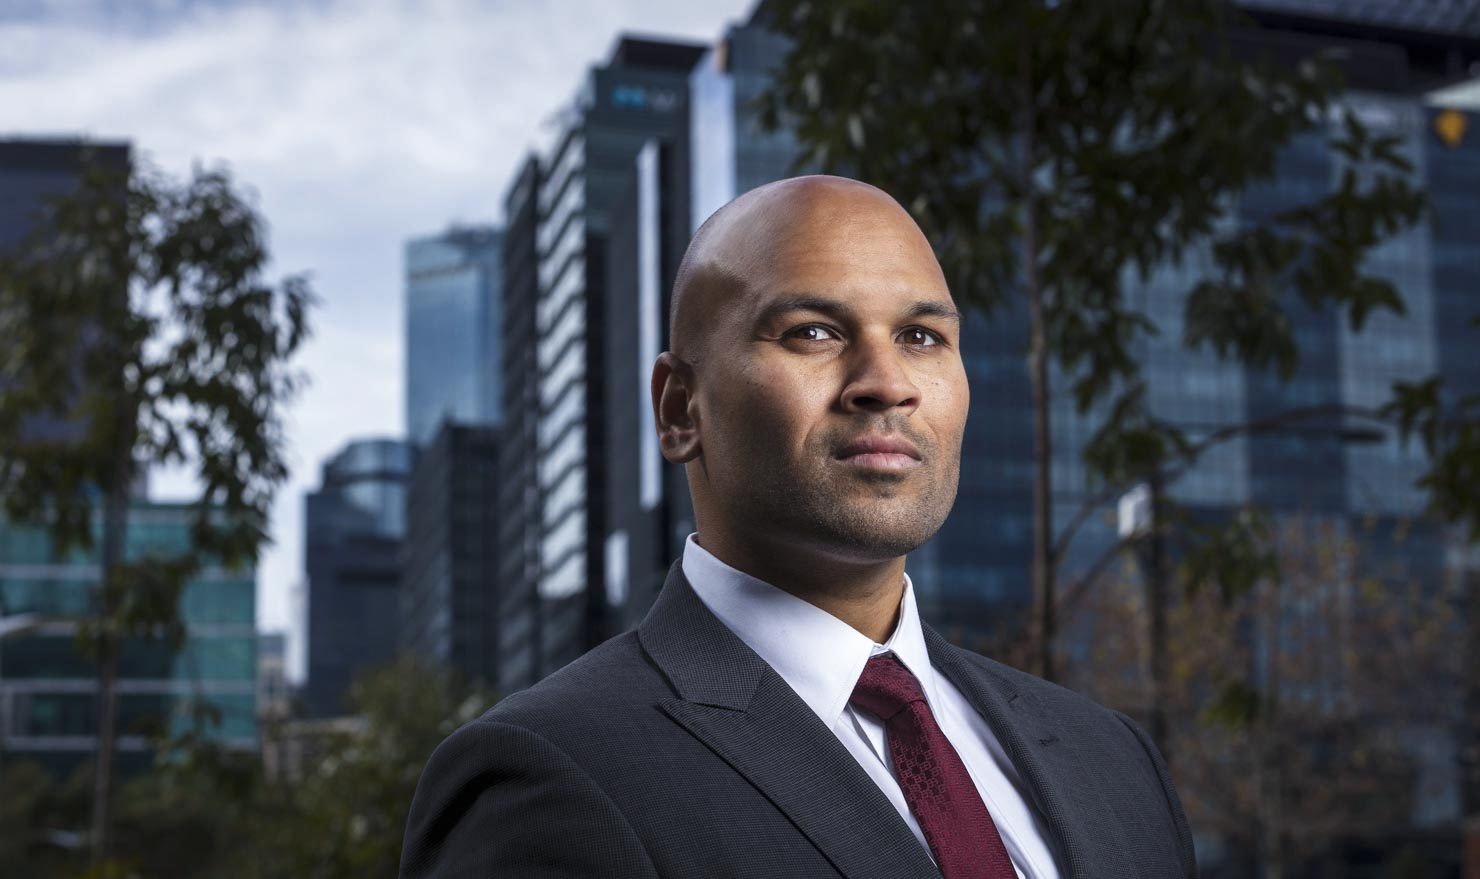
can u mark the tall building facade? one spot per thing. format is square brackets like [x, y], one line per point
[450, 591]
[454, 319]
[639, 94]
[48, 687]
[354, 525]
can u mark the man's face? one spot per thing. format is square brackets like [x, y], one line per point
[832, 394]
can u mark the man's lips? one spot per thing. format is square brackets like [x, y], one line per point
[880, 453]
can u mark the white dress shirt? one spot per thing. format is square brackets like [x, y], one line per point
[821, 658]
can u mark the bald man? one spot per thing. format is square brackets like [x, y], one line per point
[782, 710]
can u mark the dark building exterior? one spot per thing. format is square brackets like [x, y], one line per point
[562, 206]
[354, 525]
[647, 512]
[454, 317]
[450, 596]
[519, 525]
[32, 171]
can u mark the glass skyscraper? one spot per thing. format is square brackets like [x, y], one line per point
[454, 317]
[354, 526]
[48, 688]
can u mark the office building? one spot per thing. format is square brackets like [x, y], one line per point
[564, 210]
[48, 687]
[454, 317]
[449, 571]
[353, 528]
[33, 171]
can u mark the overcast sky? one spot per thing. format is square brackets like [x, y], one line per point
[358, 124]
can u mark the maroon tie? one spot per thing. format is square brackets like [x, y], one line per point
[935, 783]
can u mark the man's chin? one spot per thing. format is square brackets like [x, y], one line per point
[867, 532]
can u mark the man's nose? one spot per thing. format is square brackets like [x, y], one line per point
[878, 379]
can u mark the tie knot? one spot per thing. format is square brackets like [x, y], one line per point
[886, 687]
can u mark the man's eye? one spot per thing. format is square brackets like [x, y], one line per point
[919, 337]
[813, 333]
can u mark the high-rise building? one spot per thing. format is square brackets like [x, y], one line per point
[450, 591]
[454, 316]
[639, 94]
[48, 687]
[354, 525]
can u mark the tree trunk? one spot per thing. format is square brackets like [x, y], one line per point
[115, 527]
[1156, 605]
[1044, 624]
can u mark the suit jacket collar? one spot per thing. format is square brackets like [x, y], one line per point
[741, 709]
[736, 704]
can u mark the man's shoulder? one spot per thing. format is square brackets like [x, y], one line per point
[601, 690]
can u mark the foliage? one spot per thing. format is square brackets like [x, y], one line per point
[1448, 428]
[138, 332]
[347, 815]
[1291, 700]
[135, 313]
[213, 813]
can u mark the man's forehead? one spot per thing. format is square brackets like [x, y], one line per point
[882, 304]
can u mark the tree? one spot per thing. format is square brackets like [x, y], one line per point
[1291, 694]
[1054, 150]
[211, 812]
[138, 332]
[346, 816]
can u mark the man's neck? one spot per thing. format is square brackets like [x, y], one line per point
[863, 594]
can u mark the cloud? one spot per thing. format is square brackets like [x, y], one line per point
[357, 124]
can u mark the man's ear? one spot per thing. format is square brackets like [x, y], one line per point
[675, 410]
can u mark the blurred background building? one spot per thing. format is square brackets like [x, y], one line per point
[450, 591]
[48, 686]
[354, 524]
[560, 219]
[454, 325]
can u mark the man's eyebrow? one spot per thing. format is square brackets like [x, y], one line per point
[931, 308]
[840, 309]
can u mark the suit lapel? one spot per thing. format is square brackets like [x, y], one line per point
[1045, 756]
[743, 711]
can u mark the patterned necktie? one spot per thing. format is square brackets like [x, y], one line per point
[940, 793]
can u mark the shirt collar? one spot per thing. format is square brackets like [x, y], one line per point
[818, 655]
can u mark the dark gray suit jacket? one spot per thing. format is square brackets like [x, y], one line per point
[676, 751]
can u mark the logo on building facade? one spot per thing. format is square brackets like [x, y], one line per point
[1450, 125]
[637, 97]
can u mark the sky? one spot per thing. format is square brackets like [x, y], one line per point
[356, 125]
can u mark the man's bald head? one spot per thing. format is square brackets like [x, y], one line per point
[815, 391]
[738, 247]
